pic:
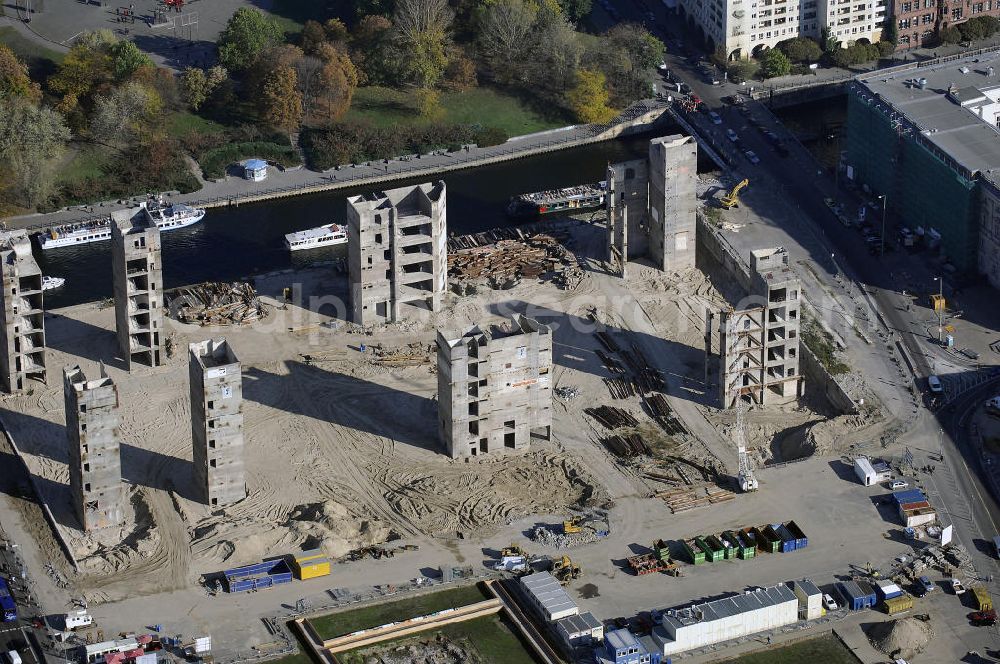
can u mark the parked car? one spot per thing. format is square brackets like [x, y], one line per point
[715, 118]
[957, 586]
[926, 584]
[934, 384]
[732, 135]
[898, 484]
[829, 603]
[752, 157]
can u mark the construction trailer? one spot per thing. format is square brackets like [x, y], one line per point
[257, 577]
[725, 619]
[810, 599]
[856, 595]
[310, 564]
[547, 597]
[581, 630]
[865, 472]
[623, 647]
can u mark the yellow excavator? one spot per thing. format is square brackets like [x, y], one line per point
[732, 199]
[571, 526]
[564, 570]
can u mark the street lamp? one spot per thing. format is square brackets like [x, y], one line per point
[938, 306]
[882, 249]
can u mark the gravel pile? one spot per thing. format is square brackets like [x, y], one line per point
[901, 638]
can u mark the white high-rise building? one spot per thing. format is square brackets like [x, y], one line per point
[746, 28]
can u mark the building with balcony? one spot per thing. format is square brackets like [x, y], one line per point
[95, 465]
[138, 286]
[494, 388]
[397, 252]
[22, 353]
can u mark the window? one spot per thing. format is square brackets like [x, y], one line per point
[926, 19]
[907, 7]
[956, 13]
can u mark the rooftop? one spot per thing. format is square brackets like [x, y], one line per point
[729, 606]
[547, 592]
[937, 100]
[620, 639]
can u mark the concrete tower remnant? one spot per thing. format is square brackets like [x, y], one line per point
[397, 252]
[494, 388]
[95, 465]
[651, 205]
[759, 346]
[217, 422]
[138, 284]
[22, 355]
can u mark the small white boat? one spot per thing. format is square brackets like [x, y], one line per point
[48, 283]
[324, 236]
[169, 217]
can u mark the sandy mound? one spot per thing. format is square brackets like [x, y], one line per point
[901, 638]
[326, 525]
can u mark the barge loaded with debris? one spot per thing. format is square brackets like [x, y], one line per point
[558, 200]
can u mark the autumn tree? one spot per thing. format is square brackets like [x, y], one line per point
[280, 101]
[460, 74]
[336, 81]
[85, 69]
[505, 35]
[421, 34]
[32, 139]
[14, 78]
[589, 98]
[247, 35]
[123, 116]
[372, 50]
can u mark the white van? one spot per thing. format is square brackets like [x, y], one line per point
[13, 657]
[934, 383]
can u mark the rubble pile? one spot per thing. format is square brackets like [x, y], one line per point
[216, 303]
[504, 263]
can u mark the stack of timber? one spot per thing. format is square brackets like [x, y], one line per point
[411, 355]
[620, 388]
[628, 446]
[664, 415]
[217, 303]
[683, 499]
[611, 417]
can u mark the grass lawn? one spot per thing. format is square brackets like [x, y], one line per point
[291, 15]
[490, 636]
[345, 622]
[38, 58]
[826, 649]
[484, 106]
[182, 122]
[87, 161]
[297, 658]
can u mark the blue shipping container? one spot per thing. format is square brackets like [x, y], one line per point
[787, 540]
[801, 541]
[908, 496]
[255, 577]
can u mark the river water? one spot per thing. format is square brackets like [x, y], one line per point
[233, 243]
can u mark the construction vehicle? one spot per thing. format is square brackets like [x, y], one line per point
[746, 479]
[872, 572]
[732, 199]
[572, 526]
[564, 570]
[512, 551]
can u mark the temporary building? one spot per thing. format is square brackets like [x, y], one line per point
[729, 618]
[255, 170]
[917, 514]
[548, 597]
[623, 647]
[856, 596]
[310, 564]
[887, 589]
[810, 599]
[580, 630]
[863, 469]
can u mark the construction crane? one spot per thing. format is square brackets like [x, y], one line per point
[746, 478]
[732, 199]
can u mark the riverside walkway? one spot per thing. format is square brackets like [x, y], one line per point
[293, 182]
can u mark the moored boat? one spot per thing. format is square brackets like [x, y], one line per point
[312, 238]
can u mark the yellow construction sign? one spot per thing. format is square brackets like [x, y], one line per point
[937, 301]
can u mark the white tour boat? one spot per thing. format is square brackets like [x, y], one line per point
[48, 283]
[166, 217]
[324, 236]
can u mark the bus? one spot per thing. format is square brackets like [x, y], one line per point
[8, 609]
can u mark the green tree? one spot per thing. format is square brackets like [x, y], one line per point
[550, 64]
[421, 36]
[629, 61]
[801, 49]
[575, 10]
[126, 58]
[890, 32]
[885, 49]
[194, 83]
[950, 35]
[774, 63]
[742, 70]
[827, 41]
[589, 98]
[32, 139]
[281, 102]
[14, 78]
[247, 35]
